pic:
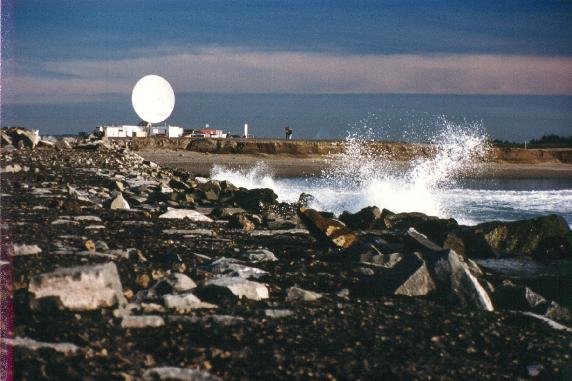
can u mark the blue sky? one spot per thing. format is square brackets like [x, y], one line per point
[64, 52]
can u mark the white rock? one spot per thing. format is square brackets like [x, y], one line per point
[26, 249]
[261, 255]
[25, 342]
[80, 288]
[118, 202]
[142, 321]
[192, 215]
[272, 313]
[299, 294]
[11, 168]
[229, 266]
[88, 218]
[241, 287]
[185, 302]
[264, 233]
[177, 374]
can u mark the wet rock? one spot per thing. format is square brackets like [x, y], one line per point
[255, 200]
[241, 221]
[79, 288]
[468, 243]
[365, 219]
[239, 287]
[177, 374]
[305, 200]
[515, 297]
[189, 214]
[434, 228]
[117, 202]
[26, 249]
[261, 255]
[545, 237]
[332, 231]
[297, 294]
[142, 321]
[416, 241]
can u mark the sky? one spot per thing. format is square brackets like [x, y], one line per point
[69, 55]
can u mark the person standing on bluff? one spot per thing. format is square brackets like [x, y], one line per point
[288, 132]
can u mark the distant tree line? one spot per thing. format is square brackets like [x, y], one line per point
[546, 141]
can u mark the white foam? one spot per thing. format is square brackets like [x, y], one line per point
[360, 177]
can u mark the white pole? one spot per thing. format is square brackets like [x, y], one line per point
[246, 130]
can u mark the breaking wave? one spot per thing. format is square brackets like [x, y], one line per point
[431, 184]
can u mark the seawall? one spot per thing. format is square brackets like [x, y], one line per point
[307, 148]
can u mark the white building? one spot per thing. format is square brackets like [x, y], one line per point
[169, 131]
[126, 131]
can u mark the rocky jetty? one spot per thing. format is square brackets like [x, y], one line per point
[124, 270]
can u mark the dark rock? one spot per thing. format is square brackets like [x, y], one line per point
[415, 241]
[559, 313]
[305, 200]
[515, 297]
[226, 212]
[454, 280]
[331, 231]
[469, 243]
[545, 237]
[241, 221]
[400, 274]
[255, 199]
[365, 219]
[433, 227]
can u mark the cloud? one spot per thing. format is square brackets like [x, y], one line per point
[231, 70]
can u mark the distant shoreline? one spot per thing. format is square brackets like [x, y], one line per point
[288, 166]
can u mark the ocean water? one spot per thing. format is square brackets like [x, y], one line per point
[436, 186]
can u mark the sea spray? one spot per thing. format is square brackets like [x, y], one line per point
[376, 178]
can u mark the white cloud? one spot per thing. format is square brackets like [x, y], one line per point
[220, 69]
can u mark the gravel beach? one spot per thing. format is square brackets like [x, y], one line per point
[125, 270]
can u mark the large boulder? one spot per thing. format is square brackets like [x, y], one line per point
[469, 243]
[79, 288]
[329, 230]
[544, 237]
[255, 200]
[365, 219]
[400, 274]
[455, 281]
[516, 297]
[20, 137]
[433, 227]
